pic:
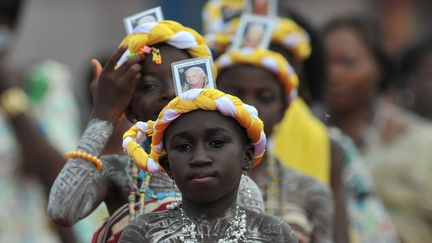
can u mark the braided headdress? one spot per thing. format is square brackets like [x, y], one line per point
[194, 99]
[169, 32]
[286, 33]
[266, 59]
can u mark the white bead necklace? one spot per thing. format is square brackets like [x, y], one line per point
[234, 233]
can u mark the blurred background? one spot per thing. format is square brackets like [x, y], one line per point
[74, 32]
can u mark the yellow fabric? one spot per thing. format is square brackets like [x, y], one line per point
[213, 11]
[293, 38]
[163, 32]
[204, 101]
[264, 59]
[301, 141]
[286, 33]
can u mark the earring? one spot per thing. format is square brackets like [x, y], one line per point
[176, 203]
[246, 167]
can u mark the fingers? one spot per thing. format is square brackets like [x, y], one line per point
[97, 70]
[129, 63]
[132, 72]
[112, 62]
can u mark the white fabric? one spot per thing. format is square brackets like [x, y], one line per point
[260, 145]
[271, 64]
[225, 106]
[183, 40]
[144, 28]
[169, 115]
[126, 141]
[252, 111]
[152, 166]
[143, 126]
[191, 94]
[225, 61]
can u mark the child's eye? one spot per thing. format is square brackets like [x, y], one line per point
[183, 147]
[148, 86]
[217, 143]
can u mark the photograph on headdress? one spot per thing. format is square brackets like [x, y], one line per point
[193, 74]
[253, 32]
[150, 15]
[262, 7]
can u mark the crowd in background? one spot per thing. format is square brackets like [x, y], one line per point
[365, 80]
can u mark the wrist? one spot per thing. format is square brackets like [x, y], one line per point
[14, 101]
[106, 115]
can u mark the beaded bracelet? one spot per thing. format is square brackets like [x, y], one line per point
[83, 155]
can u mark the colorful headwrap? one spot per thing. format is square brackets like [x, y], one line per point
[286, 33]
[308, 149]
[217, 12]
[266, 59]
[169, 32]
[194, 99]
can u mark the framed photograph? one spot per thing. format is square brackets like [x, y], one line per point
[262, 7]
[151, 15]
[193, 73]
[253, 32]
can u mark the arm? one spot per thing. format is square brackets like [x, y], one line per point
[321, 207]
[133, 234]
[340, 217]
[80, 188]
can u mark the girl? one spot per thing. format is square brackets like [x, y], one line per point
[204, 139]
[140, 87]
[266, 80]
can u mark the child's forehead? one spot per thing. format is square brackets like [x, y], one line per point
[203, 119]
[168, 53]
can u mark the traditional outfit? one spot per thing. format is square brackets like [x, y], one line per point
[301, 201]
[398, 154]
[80, 188]
[163, 227]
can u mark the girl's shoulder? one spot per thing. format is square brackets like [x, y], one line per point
[269, 228]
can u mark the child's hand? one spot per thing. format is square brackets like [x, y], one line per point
[112, 89]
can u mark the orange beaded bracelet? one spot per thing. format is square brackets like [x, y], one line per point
[83, 155]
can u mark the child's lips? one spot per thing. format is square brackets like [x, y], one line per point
[202, 178]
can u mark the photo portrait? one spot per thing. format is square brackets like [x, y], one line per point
[193, 74]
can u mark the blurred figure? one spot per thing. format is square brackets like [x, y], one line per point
[253, 36]
[415, 79]
[394, 142]
[32, 114]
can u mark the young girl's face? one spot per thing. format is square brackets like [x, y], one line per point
[156, 87]
[206, 153]
[257, 87]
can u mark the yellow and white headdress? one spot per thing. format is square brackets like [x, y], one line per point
[169, 32]
[194, 99]
[271, 61]
[286, 33]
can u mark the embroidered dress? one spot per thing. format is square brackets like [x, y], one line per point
[301, 201]
[368, 217]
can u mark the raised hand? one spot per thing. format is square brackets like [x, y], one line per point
[112, 89]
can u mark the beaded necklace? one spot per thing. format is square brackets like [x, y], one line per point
[271, 186]
[235, 232]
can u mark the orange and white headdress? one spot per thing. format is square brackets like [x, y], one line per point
[194, 99]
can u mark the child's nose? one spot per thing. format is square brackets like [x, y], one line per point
[168, 91]
[201, 157]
